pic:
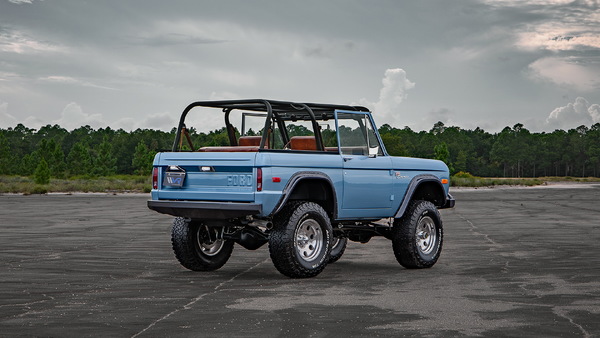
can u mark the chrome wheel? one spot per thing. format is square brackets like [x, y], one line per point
[208, 241]
[426, 235]
[336, 242]
[309, 240]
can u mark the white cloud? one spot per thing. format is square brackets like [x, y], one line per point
[580, 112]
[186, 32]
[9, 121]
[443, 115]
[56, 79]
[232, 78]
[126, 123]
[557, 36]
[568, 24]
[73, 117]
[161, 121]
[6, 120]
[594, 111]
[223, 96]
[5, 77]
[527, 3]
[17, 42]
[395, 84]
[33, 122]
[59, 79]
[18, 2]
[572, 72]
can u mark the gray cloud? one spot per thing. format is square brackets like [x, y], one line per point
[490, 63]
[174, 39]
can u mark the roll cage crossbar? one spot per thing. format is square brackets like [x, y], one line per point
[276, 111]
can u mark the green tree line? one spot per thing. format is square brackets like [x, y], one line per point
[52, 151]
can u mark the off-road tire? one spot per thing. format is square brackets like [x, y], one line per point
[417, 237]
[193, 248]
[337, 249]
[300, 242]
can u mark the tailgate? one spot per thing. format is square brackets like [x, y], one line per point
[212, 176]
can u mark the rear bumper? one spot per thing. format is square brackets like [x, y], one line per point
[205, 210]
[449, 202]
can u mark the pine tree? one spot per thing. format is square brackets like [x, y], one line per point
[142, 159]
[6, 165]
[52, 153]
[42, 173]
[57, 165]
[104, 161]
[443, 154]
[79, 161]
[461, 161]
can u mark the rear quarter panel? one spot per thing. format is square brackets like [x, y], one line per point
[279, 167]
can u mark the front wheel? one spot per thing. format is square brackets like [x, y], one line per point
[417, 236]
[300, 242]
[199, 247]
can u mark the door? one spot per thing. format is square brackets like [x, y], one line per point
[367, 171]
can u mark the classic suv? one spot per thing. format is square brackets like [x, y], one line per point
[308, 178]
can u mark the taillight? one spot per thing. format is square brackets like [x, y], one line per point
[258, 179]
[155, 178]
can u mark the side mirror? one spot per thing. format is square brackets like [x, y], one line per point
[373, 152]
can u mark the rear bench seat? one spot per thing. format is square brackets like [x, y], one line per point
[303, 143]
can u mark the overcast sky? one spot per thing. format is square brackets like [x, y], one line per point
[137, 64]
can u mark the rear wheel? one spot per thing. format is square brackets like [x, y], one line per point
[337, 249]
[199, 247]
[300, 241]
[417, 236]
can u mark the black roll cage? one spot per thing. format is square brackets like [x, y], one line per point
[277, 111]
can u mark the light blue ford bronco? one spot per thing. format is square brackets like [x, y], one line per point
[303, 177]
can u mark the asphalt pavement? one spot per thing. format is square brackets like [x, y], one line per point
[515, 262]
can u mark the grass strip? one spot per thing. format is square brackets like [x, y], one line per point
[110, 184]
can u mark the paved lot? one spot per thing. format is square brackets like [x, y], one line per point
[516, 262]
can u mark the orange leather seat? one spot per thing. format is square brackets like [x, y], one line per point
[303, 143]
[249, 140]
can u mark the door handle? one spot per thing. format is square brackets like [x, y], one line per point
[346, 159]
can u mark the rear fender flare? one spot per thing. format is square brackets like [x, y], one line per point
[304, 176]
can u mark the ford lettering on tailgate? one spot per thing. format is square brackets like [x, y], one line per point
[239, 180]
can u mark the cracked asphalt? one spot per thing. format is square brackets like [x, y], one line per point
[515, 262]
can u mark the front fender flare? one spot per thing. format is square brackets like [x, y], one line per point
[412, 188]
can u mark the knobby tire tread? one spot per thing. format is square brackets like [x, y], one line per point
[182, 240]
[403, 241]
[281, 239]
